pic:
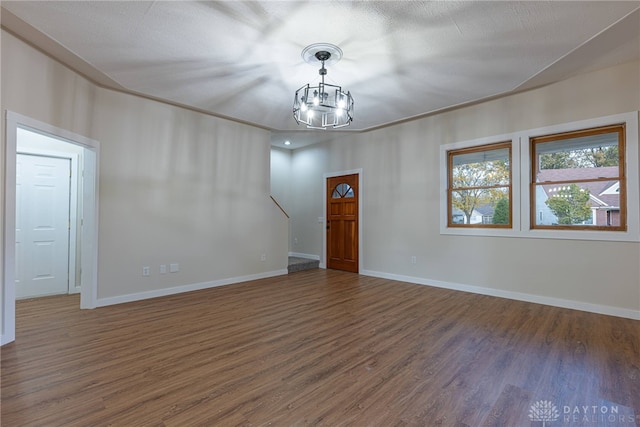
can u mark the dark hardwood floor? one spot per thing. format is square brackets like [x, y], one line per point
[319, 347]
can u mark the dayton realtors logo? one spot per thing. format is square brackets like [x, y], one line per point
[547, 412]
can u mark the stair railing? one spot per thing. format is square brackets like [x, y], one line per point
[281, 208]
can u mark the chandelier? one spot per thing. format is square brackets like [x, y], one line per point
[324, 105]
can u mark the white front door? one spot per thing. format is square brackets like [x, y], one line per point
[42, 225]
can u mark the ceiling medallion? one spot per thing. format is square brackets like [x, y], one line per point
[324, 105]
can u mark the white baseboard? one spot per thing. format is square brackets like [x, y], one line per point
[120, 299]
[519, 296]
[308, 256]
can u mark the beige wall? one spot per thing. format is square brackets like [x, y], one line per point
[402, 195]
[281, 182]
[281, 176]
[175, 186]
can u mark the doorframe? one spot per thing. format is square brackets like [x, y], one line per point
[73, 207]
[323, 257]
[89, 235]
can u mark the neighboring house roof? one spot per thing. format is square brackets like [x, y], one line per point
[603, 193]
[485, 209]
[569, 174]
[479, 210]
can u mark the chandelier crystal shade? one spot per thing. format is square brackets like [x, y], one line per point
[324, 105]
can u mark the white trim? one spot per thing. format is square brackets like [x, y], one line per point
[9, 235]
[89, 255]
[598, 201]
[89, 238]
[324, 218]
[518, 296]
[120, 299]
[521, 171]
[631, 171]
[614, 189]
[515, 187]
[307, 256]
[74, 286]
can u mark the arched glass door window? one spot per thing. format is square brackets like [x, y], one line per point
[342, 190]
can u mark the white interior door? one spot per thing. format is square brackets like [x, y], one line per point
[42, 225]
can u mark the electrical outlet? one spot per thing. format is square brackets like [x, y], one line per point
[146, 271]
[174, 268]
[413, 260]
[263, 257]
[163, 268]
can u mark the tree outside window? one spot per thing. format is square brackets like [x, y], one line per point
[570, 205]
[479, 185]
[501, 213]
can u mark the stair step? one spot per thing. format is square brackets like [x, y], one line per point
[300, 264]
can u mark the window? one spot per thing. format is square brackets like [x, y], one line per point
[342, 190]
[578, 180]
[479, 186]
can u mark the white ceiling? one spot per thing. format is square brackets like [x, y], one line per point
[402, 59]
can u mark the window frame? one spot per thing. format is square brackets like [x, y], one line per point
[618, 128]
[520, 181]
[450, 189]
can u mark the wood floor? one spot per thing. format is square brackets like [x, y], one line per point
[319, 347]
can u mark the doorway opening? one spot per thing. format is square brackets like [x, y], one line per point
[29, 137]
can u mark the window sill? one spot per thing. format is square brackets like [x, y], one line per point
[610, 236]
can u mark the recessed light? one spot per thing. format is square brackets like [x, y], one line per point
[287, 143]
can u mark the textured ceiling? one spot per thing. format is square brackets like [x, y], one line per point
[402, 59]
